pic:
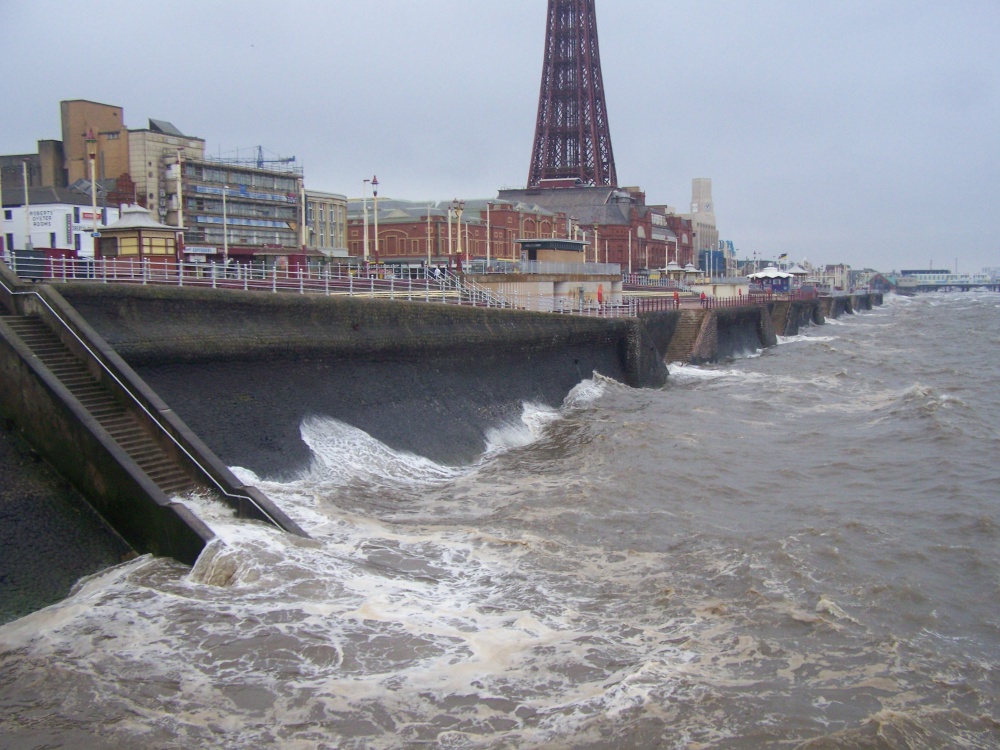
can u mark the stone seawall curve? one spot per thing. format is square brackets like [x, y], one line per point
[243, 370]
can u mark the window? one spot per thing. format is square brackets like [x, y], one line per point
[52, 239]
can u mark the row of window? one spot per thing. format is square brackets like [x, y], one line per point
[111, 246]
[225, 176]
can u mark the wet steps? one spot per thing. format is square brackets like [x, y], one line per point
[119, 422]
[685, 335]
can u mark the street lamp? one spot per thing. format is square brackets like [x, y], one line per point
[3, 216]
[225, 229]
[459, 207]
[489, 205]
[92, 156]
[364, 203]
[375, 193]
[27, 207]
[428, 269]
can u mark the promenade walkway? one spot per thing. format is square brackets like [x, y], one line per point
[443, 287]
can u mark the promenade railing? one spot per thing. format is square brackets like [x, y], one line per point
[381, 282]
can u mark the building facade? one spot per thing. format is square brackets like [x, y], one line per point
[53, 219]
[152, 153]
[82, 119]
[710, 256]
[326, 223]
[414, 233]
[232, 209]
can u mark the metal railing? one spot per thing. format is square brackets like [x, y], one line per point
[375, 281]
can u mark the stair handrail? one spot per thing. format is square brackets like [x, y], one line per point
[154, 417]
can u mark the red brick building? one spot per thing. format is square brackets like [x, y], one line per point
[628, 232]
[411, 232]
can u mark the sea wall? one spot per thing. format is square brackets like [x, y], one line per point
[243, 370]
[743, 330]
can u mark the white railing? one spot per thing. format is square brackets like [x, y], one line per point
[551, 267]
[376, 282]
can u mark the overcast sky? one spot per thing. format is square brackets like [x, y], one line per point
[856, 131]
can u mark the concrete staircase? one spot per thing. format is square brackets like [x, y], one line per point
[119, 422]
[780, 311]
[685, 335]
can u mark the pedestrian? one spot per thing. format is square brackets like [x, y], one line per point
[704, 299]
[677, 299]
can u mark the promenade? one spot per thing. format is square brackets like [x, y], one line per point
[435, 285]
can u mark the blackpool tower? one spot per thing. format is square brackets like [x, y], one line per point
[572, 140]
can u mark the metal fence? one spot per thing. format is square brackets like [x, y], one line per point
[375, 282]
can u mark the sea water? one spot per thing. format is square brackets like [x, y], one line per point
[798, 548]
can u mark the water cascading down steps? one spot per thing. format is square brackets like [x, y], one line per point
[684, 338]
[100, 403]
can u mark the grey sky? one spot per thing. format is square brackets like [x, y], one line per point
[847, 131]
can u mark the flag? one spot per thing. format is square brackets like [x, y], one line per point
[782, 256]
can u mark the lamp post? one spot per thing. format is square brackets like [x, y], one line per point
[488, 207]
[630, 251]
[27, 207]
[3, 217]
[92, 158]
[428, 269]
[364, 204]
[459, 207]
[375, 194]
[225, 228]
[450, 211]
[596, 245]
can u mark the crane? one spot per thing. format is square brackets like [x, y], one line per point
[261, 161]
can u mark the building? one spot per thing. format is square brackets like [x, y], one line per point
[619, 224]
[326, 223]
[58, 219]
[81, 120]
[137, 235]
[833, 277]
[414, 233]
[153, 152]
[233, 209]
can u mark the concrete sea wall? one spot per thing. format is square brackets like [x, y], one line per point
[243, 370]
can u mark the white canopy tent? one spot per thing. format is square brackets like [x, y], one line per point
[770, 273]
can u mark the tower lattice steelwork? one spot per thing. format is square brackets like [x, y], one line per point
[572, 139]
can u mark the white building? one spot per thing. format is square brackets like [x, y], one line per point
[56, 218]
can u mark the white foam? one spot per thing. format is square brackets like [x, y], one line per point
[343, 454]
[530, 428]
[805, 338]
